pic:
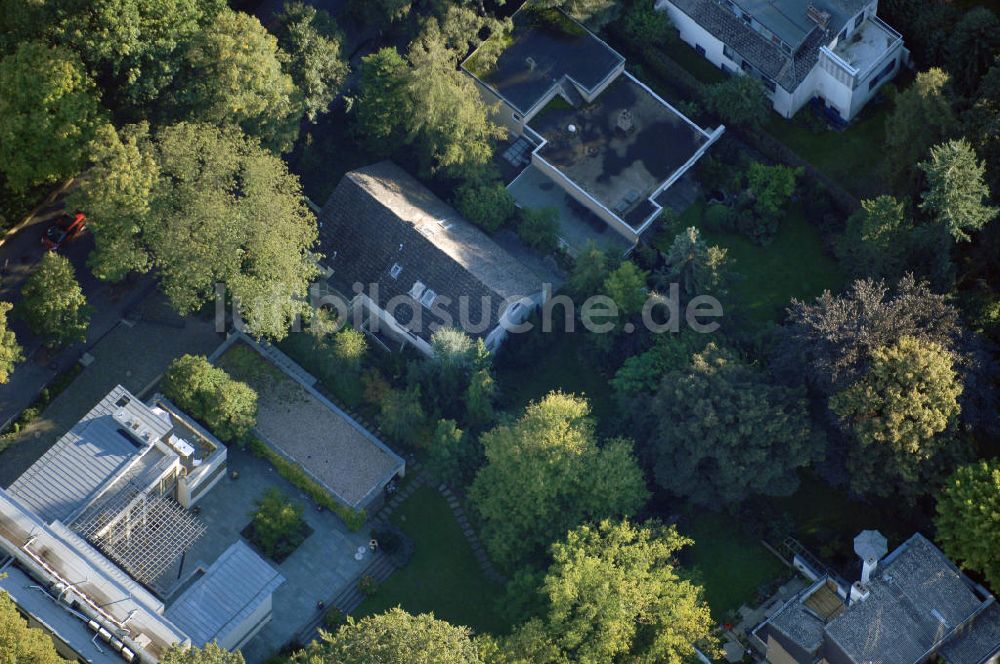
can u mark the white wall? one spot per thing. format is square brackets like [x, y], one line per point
[246, 630]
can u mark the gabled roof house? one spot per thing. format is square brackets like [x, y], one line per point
[836, 51]
[582, 125]
[412, 264]
[909, 607]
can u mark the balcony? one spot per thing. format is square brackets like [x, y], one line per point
[866, 48]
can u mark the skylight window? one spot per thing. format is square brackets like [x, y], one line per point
[417, 290]
[427, 299]
[395, 270]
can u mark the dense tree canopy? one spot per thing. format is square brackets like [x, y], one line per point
[875, 242]
[740, 100]
[545, 474]
[312, 40]
[53, 303]
[233, 73]
[227, 407]
[135, 46]
[210, 654]
[922, 117]
[20, 643]
[615, 595]
[968, 518]
[972, 48]
[955, 189]
[220, 209]
[10, 351]
[394, 637]
[48, 114]
[723, 432]
[425, 103]
[117, 194]
[900, 415]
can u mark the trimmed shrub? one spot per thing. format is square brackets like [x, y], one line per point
[539, 229]
[227, 407]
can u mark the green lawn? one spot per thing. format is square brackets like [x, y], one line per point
[443, 577]
[852, 157]
[696, 64]
[793, 265]
[567, 367]
[731, 564]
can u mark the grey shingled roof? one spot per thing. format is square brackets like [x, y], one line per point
[788, 71]
[917, 600]
[379, 216]
[73, 471]
[229, 592]
[978, 641]
[788, 18]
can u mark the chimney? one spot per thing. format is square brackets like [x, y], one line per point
[859, 592]
[867, 567]
[870, 546]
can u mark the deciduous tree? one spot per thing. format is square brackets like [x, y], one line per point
[900, 415]
[313, 41]
[740, 100]
[626, 285]
[53, 303]
[48, 114]
[394, 637]
[221, 209]
[10, 351]
[233, 73]
[956, 192]
[135, 46]
[20, 643]
[210, 654]
[117, 193]
[228, 407]
[725, 432]
[545, 474]
[968, 518]
[614, 594]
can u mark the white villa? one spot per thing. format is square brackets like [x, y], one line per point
[836, 51]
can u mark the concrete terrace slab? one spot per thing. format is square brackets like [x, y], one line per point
[320, 569]
[303, 426]
[577, 226]
[620, 148]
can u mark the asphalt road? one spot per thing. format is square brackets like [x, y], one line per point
[19, 255]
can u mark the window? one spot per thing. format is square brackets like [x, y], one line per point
[427, 299]
[879, 77]
[700, 49]
[842, 36]
[417, 290]
[729, 53]
[395, 270]
[768, 83]
[859, 20]
[517, 117]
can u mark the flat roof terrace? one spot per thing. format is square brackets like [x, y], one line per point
[545, 47]
[621, 148]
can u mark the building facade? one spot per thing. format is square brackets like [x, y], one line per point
[838, 52]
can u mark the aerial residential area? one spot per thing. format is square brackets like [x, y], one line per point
[499, 331]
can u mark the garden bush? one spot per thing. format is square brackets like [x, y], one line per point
[277, 528]
[227, 407]
[719, 218]
[539, 229]
[489, 205]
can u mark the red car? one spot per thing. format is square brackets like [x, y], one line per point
[68, 227]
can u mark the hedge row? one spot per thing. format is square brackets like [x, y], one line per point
[353, 519]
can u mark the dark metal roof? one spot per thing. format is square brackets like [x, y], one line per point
[547, 46]
[380, 217]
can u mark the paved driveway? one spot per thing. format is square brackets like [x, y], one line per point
[19, 255]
